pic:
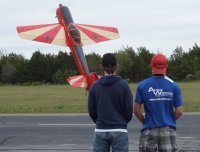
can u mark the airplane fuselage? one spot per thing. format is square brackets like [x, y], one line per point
[73, 39]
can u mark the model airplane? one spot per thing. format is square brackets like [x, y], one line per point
[68, 33]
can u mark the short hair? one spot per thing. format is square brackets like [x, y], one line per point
[110, 70]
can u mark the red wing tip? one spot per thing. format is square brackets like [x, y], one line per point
[19, 29]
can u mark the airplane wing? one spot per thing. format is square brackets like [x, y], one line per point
[46, 33]
[91, 34]
[55, 34]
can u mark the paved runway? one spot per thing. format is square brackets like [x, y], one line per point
[74, 133]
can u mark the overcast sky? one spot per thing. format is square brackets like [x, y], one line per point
[156, 24]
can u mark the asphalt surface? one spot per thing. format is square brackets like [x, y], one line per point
[74, 133]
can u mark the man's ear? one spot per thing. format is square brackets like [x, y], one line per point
[101, 66]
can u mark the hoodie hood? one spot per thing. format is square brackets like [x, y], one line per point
[109, 80]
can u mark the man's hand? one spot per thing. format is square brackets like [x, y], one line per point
[138, 113]
[178, 112]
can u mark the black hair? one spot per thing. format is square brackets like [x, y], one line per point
[110, 70]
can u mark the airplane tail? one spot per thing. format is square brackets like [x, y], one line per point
[83, 81]
[77, 81]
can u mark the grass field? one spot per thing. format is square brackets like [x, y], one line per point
[65, 99]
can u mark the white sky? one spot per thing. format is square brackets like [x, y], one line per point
[156, 24]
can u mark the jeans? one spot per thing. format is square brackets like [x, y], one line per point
[103, 141]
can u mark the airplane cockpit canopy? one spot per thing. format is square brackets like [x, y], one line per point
[75, 33]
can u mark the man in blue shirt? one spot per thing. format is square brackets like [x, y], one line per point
[110, 106]
[162, 102]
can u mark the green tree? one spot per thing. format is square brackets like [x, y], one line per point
[49, 67]
[174, 64]
[7, 73]
[125, 61]
[1, 62]
[66, 64]
[142, 64]
[195, 51]
[59, 77]
[37, 67]
[94, 61]
[195, 54]
[18, 65]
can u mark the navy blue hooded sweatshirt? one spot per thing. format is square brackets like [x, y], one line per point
[110, 103]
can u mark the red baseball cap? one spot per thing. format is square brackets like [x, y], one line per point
[159, 64]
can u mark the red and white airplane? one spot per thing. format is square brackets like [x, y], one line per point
[68, 33]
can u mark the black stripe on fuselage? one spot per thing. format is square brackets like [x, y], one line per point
[66, 15]
[79, 50]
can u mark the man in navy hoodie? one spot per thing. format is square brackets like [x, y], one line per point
[110, 106]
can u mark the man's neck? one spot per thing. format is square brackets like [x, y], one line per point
[107, 74]
[159, 75]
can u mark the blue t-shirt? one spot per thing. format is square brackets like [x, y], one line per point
[160, 95]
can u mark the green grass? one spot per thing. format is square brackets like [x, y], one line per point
[191, 96]
[65, 99]
[42, 99]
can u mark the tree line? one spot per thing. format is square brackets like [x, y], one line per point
[133, 65]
